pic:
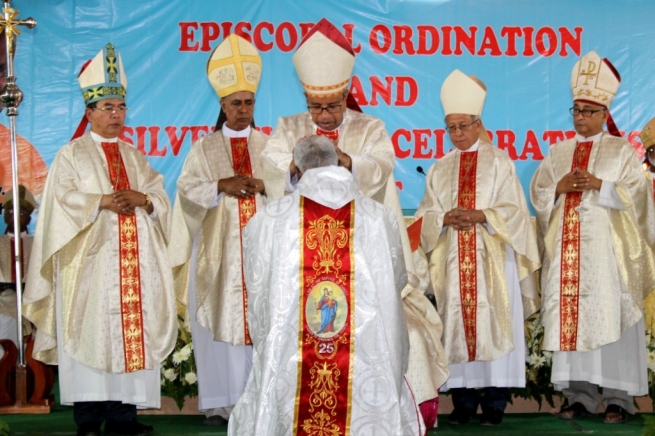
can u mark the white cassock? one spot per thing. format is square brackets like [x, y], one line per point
[380, 400]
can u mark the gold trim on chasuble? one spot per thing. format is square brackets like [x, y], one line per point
[570, 257]
[468, 280]
[130, 278]
[247, 207]
[326, 318]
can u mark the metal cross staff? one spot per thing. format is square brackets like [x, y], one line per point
[11, 96]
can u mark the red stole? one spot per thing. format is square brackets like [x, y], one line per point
[468, 281]
[130, 274]
[330, 134]
[247, 207]
[570, 256]
[326, 320]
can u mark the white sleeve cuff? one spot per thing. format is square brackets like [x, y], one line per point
[608, 196]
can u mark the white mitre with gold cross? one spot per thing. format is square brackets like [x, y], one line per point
[594, 80]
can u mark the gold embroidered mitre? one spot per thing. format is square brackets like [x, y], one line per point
[647, 134]
[235, 65]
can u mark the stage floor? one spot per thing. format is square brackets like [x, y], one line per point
[60, 422]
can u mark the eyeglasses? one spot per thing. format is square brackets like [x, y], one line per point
[462, 127]
[112, 109]
[585, 112]
[331, 109]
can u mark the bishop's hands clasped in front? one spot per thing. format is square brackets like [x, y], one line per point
[126, 201]
[578, 180]
[241, 186]
[463, 219]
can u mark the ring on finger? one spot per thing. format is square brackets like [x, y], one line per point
[243, 191]
[575, 185]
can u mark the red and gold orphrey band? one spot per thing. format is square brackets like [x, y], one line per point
[468, 280]
[325, 365]
[247, 208]
[570, 256]
[130, 275]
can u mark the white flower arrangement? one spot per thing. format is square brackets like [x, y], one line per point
[179, 375]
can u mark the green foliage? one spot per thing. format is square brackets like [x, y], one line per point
[4, 429]
[178, 371]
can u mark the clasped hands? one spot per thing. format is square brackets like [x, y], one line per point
[578, 180]
[463, 219]
[124, 201]
[241, 186]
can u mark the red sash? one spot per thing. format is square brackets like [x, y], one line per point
[468, 280]
[130, 278]
[330, 134]
[247, 208]
[570, 256]
[326, 320]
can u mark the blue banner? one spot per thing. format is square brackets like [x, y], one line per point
[523, 50]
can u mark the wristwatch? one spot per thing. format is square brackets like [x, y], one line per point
[148, 202]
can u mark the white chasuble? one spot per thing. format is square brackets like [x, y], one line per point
[206, 254]
[365, 139]
[332, 337]
[482, 295]
[74, 292]
[609, 264]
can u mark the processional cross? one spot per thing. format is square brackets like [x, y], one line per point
[11, 96]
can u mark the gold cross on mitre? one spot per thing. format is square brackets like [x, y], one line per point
[590, 72]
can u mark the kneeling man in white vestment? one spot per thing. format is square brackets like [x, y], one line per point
[324, 272]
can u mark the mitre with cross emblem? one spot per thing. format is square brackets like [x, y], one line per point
[103, 77]
[594, 80]
[234, 65]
